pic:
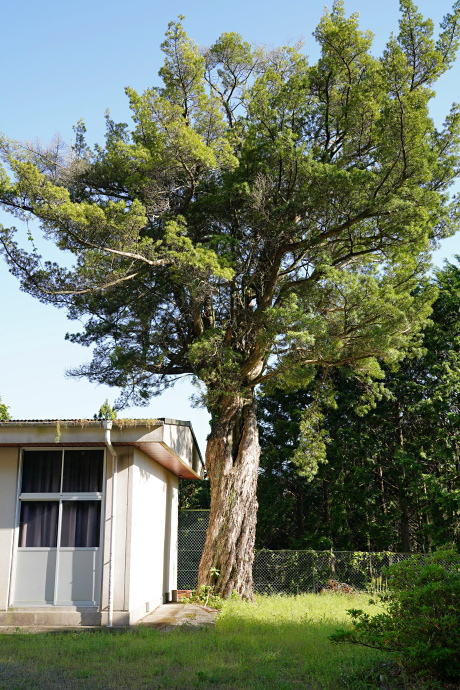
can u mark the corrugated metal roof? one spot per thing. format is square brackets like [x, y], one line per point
[122, 422]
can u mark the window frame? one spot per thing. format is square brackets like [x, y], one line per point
[60, 498]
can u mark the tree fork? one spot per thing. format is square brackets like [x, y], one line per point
[232, 462]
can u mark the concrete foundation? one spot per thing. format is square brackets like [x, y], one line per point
[65, 616]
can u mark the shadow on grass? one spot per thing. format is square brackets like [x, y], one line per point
[17, 676]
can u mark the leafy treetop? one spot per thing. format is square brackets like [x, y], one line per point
[106, 412]
[261, 218]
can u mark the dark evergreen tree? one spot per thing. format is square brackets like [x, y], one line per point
[391, 480]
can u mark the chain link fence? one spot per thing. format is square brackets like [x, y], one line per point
[192, 534]
[293, 572]
[288, 572]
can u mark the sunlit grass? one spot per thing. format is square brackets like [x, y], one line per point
[277, 642]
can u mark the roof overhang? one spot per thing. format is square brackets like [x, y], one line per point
[170, 443]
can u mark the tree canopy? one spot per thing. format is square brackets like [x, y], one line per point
[260, 218]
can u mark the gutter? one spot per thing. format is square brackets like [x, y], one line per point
[107, 425]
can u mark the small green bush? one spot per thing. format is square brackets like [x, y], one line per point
[420, 621]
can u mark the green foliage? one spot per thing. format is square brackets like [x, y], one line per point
[421, 618]
[106, 412]
[313, 436]
[281, 492]
[4, 414]
[206, 596]
[390, 482]
[194, 495]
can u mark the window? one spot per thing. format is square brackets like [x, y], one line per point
[81, 524]
[72, 472]
[41, 471]
[38, 523]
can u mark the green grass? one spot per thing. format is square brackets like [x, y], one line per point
[278, 642]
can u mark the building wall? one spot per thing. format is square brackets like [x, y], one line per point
[180, 439]
[171, 543]
[9, 465]
[153, 548]
[122, 538]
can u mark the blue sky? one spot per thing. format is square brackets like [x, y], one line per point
[66, 61]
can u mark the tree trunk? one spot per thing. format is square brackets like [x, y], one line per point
[382, 491]
[299, 507]
[232, 464]
[404, 526]
[327, 515]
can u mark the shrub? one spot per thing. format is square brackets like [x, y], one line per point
[421, 616]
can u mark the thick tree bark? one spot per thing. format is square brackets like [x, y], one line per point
[232, 463]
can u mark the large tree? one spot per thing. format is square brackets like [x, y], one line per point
[262, 217]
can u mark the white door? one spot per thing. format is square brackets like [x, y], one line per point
[58, 558]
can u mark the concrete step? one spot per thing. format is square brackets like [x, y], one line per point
[57, 616]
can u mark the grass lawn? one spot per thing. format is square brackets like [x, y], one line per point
[278, 642]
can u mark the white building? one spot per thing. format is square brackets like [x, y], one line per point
[88, 518]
